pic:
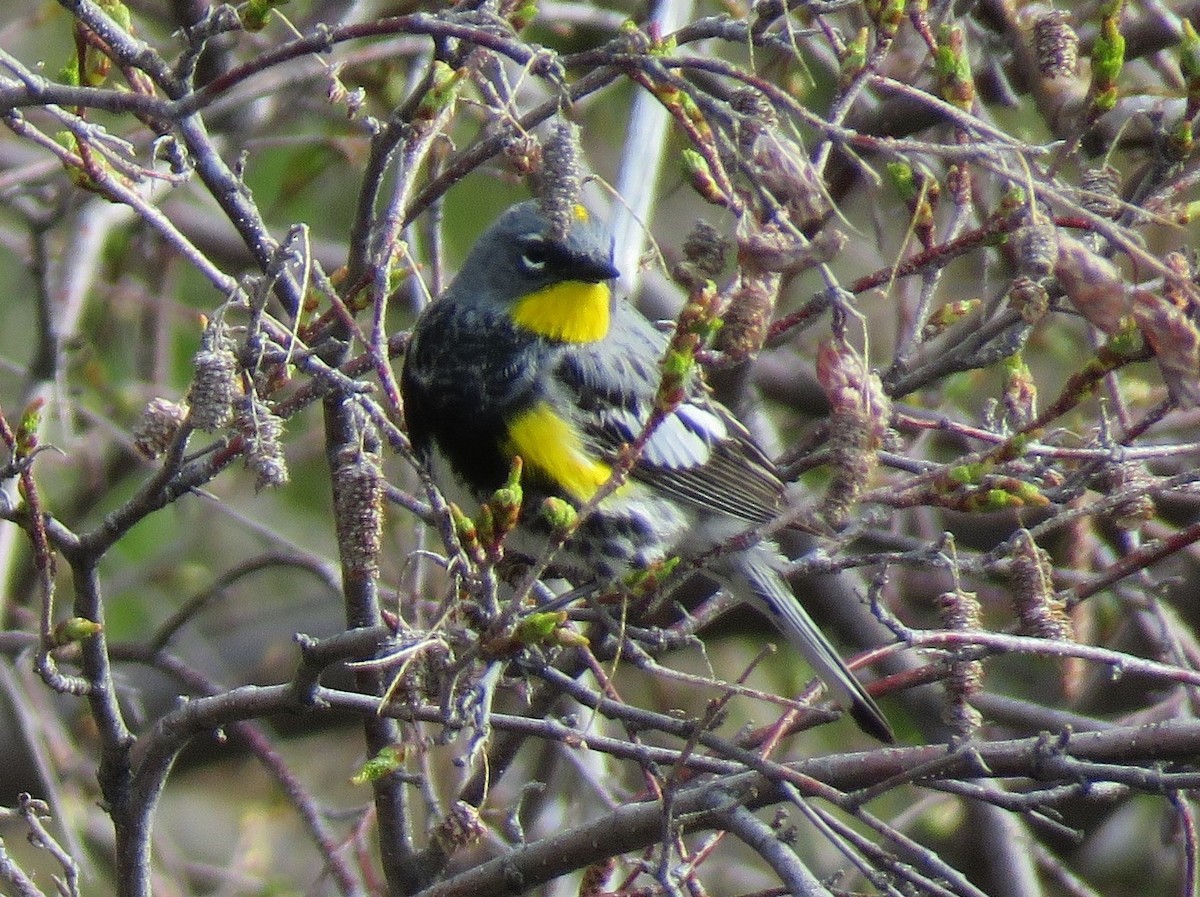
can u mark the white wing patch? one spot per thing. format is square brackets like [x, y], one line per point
[709, 425]
[685, 439]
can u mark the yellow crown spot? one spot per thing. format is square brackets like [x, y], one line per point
[551, 449]
[571, 312]
[581, 214]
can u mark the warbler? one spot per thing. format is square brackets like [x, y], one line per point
[527, 353]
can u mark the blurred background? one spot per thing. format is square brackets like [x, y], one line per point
[978, 216]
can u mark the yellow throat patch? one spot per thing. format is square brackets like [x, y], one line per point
[552, 449]
[571, 312]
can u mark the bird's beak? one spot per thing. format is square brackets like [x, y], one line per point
[596, 270]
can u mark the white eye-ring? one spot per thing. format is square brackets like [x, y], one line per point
[534, 257]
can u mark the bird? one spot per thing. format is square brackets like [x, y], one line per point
[529, 353]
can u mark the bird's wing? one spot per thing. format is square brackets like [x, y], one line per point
[699, 453]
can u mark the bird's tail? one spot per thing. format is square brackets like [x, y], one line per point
[752, 577]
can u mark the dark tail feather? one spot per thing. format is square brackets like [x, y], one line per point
[755, 580]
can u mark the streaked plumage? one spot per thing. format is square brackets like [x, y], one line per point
[471, 371]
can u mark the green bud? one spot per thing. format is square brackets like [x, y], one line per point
[524, 14]
[664, 46]
[538, 628]
[464, 527]
[559, 513]
[1029, 495]
[989, 500]
[1014, 363]
[69, 73]
[695, 168]
[645, 582]
[387, 761]
[999, 500]
[486, 524]
[854, 57]
[443, 91]
[964, 474]
[903, 180]
[1189, 55]
[257, 13]
[27, 428]
[678, 364]
[948, 315]
[888, 14]
[118, 12]
[953, 68]
[504, 507]
[1014, 200]
[1127, 342]
[1180, 142]
[1108, 54]
[76, 629]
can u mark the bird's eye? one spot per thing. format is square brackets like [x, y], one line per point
[534, 256]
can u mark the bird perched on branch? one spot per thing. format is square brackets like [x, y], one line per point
[527, 354]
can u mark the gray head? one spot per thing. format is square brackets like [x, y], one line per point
[517, 256]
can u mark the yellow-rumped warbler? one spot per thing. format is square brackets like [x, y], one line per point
[527, 353]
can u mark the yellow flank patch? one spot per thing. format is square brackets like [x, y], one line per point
[572, 311]
[581, 214]
[552, 449]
